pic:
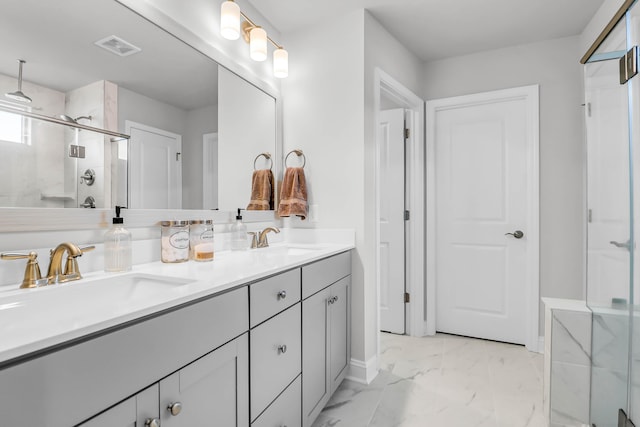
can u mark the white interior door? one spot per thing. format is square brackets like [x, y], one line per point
[483, 187]
[155, 168]
[391, 154]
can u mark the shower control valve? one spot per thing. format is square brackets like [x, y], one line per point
[89, 177]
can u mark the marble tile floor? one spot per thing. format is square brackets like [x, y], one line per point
[443, 381]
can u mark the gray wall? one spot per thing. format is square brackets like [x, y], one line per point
[198, 122]
[554, 65]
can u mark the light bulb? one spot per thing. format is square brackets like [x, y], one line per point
[230, 20]
[258, 44]
[280, 63]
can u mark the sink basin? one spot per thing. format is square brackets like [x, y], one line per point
[292, 250]
[133, 285]
[86, 297]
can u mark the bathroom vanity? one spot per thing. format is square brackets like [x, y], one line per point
[257, 338]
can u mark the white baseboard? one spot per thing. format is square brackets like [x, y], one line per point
[363, 372]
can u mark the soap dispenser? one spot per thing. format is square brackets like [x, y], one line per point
[117, 246]
[239, 240]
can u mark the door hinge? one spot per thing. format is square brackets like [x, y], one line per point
[590, 215]
[178, 157]
[407, 215]
[628, 65]
[407, 298]
[407, 133]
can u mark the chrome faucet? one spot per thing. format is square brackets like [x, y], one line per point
[262, 240]
[54, 273]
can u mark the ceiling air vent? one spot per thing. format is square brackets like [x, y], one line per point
[120, 47]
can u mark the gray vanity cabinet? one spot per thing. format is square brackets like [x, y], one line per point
[325, 332]
[137, 410]
[213, 390]
[276, 350]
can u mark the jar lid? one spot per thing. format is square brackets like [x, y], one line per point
[201, 221]
[175, 223]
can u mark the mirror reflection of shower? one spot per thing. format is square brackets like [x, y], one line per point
[72, 120]
[19, 95]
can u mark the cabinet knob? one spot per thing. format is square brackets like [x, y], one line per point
[152, 422]
[335, 298]
[282, 294]
[174, 408]
[282, 349]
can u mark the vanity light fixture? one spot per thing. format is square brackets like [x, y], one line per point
[256, 36]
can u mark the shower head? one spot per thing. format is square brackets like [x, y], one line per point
[72, 120]
[19, 95]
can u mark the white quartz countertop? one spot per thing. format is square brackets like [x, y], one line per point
[33, 320]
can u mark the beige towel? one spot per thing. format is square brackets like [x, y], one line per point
[293, 197]
[261, 191]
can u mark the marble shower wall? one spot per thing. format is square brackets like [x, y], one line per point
[610, 365]
[98, 100]
[27, 175]
[567, 362]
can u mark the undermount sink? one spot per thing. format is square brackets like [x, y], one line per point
[135, 284]
[292, 249]
[85, 297]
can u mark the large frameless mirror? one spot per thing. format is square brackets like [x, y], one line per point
[101, 65]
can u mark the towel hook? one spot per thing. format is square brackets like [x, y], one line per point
[266, 156]
[299, 153]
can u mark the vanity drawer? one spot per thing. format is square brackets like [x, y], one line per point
[273, 366]
[285, 410]
[323, 273]
[270, 296]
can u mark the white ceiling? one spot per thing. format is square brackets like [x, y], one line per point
[436, 29]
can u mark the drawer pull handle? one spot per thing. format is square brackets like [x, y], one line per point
[332, 300]
[152, 422]
[335, 299]
[282, 294]
[282, 349]
[174, 408]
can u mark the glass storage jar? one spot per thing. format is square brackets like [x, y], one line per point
[201, 240]
[175, 241]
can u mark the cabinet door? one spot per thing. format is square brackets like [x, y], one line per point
[340, 331]
[135, 411]
[213, 390]
[316, 388]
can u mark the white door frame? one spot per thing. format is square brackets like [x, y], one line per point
[384, 83]
[532, 298]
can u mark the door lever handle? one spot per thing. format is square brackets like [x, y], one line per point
[517, 234]
[626, 245]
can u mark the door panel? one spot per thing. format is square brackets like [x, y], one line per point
[391, 153]
[155, 168]
[482, 193]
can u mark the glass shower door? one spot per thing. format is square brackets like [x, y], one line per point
[609, 227]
